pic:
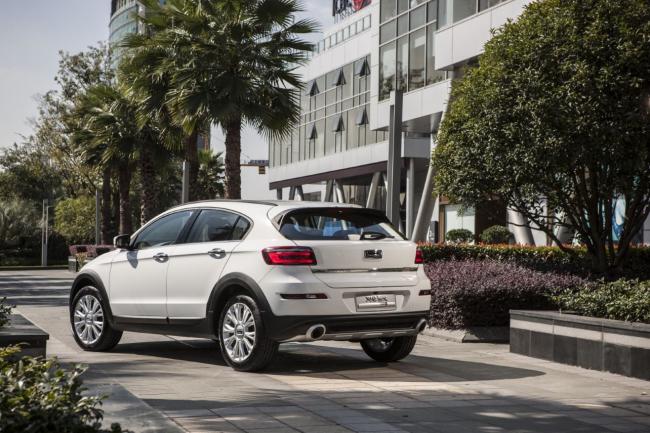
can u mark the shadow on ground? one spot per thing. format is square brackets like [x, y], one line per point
[310, 360]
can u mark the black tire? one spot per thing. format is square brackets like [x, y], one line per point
[109, 337]
[389, 349]
[263, 348]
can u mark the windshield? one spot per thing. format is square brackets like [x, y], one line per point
[336, 224]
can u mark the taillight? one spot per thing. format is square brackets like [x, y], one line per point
[288, 256]
[419, 257]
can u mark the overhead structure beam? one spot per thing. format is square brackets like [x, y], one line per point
[372, 192]
[394, 158]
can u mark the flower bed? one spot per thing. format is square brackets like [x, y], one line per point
[474, 293]
[545, 259]
[627, 300]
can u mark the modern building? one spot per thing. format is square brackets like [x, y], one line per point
[376, 50]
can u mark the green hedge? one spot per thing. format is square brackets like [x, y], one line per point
[545, 259]
[627, 300]
[38, 396]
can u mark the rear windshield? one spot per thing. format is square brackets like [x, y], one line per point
[336, 224]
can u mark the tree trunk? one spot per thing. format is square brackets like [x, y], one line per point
[147, 188]
[115, 217]
[192, 158]
[233, 158]
[106, 207]
[124, 178]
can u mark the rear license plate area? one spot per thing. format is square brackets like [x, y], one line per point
[376, 302]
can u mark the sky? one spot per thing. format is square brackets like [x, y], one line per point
[32, 32]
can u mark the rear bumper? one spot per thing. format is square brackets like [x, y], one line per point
[345, 327]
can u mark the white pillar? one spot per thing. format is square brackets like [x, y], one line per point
[299, 194]
[372, 192]
[523, 233]
[410, 196]
[340, 194]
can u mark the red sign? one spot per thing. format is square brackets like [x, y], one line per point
[346, 7]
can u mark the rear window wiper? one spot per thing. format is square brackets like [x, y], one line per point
[374, 236]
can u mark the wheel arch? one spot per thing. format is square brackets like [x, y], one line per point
[90, 278]
[229, 285]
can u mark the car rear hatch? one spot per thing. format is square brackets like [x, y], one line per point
[354, 247]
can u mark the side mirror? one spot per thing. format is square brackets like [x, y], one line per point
[122, 242]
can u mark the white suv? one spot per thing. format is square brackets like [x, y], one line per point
[255, 274]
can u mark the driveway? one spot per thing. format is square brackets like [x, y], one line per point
[334, 387]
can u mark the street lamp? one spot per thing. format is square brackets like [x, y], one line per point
[44, 232]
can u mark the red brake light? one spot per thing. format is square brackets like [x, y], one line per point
[419, 257]
[288, 256]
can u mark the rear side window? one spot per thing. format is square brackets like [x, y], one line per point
[217, 226]
[336, 224]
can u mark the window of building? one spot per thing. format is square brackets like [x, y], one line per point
[402, 63]
[387, 31]
[402, 24]
[402, 6]
[387, 59]
[417, 59]
[464, 9]
[418, 17]
[388, 9]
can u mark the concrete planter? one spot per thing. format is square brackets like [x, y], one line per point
[21, 331]
[588, 342]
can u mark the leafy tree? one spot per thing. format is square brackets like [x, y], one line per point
[74, 219]
[19, 221]
[229, 62]
[555, 121]
[26, 174]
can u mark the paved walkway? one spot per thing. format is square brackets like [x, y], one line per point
[333, 387]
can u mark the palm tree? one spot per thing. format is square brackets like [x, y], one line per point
[158, 134]
[228, 62]
[210, 178]
[107, 136]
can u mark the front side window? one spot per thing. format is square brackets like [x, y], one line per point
[337, 224]
[217, 226]
[164, 231]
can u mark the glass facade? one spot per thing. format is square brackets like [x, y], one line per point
[406, 52]
[358, 26]
[334, 116]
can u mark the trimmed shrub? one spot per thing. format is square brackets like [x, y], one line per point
[459, 236]
[545, 259]
[38, 396]
[496, 235]
[627, 300]
[482, 292]
[5, 312]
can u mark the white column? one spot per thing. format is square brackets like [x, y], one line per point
[410, 196]
[372, 192]
[523, 233]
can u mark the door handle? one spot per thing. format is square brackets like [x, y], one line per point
[217, 253]
[161, 257]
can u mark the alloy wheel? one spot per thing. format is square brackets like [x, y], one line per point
[88, 319]
[238, 332]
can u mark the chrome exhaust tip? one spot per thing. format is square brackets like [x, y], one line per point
[422, 324]
[315, 332]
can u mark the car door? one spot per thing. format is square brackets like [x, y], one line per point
[197, 262]
[137, 285]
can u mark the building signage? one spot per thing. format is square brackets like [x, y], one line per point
[343, 8]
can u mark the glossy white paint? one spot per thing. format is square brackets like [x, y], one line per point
[138, 283]
[139, 286]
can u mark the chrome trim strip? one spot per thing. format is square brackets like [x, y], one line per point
[357, 335]
[350, 271]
